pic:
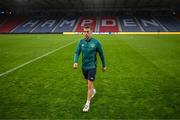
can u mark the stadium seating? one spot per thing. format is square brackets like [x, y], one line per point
[178, 16]
[2, 20]
[150, 24]
[10, 23]
[67, 24]
[109, 24]
[99, 24]
[28, 26]
[129, 24]
[84, 21]
[169, 22]
[46, 25]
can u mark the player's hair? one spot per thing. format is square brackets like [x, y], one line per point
[88, 27]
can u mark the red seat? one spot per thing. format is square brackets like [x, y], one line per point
[109, 24]
[85, 21]
[10, 24]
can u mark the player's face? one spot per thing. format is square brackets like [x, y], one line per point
[87, 33]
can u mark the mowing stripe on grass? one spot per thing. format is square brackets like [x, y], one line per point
[35, 59]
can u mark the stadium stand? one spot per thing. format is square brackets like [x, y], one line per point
[99, 24]
[171, 23]
[149, 24]
[178, 17]
[2, 20]
[10, 24]
[45, 25]
[84, 21]
[67, 24]
[28, 25]
[109, 24]
[129, 24]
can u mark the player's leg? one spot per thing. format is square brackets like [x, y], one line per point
[87, 105]
[89, 95]
[90, 89]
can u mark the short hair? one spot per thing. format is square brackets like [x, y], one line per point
[88, 27]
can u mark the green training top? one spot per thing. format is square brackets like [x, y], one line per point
[89, 49]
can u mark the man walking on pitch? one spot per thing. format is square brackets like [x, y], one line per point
[89, 48]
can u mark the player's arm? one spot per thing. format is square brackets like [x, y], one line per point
[101, 54]
[76, 55]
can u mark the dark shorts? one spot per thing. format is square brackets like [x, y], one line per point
[89, 74]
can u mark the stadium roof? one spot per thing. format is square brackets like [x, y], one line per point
[90, 7]
[89, 4]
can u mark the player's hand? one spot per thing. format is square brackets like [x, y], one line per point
[104, 69]
[75, 65]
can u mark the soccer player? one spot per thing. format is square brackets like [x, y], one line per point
[89, 47]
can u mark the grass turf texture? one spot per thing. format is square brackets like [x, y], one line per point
[142, 79]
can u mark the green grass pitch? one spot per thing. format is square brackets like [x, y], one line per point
[142, 78]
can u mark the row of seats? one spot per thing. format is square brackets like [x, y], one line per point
[10, 24]
[99, 24]
[170, 23]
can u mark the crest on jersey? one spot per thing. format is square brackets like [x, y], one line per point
[92, 45]
[82, 45]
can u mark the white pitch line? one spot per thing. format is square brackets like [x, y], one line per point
[35, 59]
